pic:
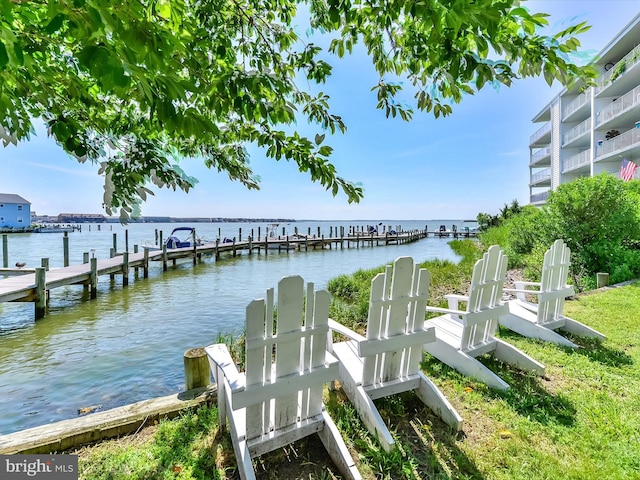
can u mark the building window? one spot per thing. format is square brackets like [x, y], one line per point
[19, 219]
[19, 207]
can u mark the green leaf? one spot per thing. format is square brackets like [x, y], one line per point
[55, 24]
[4, 58]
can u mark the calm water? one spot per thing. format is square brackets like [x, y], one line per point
[128, 344]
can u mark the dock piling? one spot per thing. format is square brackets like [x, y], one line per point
[65, 248]
[93, 282]
[197, 372]
[5, 251]
[41, 294]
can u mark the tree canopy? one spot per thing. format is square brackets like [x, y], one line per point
[136, 85]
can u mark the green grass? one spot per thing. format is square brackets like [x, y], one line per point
[581, 421]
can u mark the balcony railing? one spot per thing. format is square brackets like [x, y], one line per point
[539, 197]
[579, 160]
[541, 176]
[575, 104]
[622, 104]
[630, 138]
[540, 154]
[618, 69]
[542, 131]
[576, 131]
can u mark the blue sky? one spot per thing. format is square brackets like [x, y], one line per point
[475, 160]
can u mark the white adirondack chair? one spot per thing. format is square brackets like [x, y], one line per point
[462, 335]
[387, 360]
[539, 320]
[278, 400]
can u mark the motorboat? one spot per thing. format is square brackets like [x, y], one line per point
[182, 237]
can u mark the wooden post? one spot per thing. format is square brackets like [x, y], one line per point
[164, 257]
[234, 246]
[602, 280]
[196, 369]
[239, 234]
[112, 253]
[115, 242]
[161, 242]
[94, 278]
[251, 243]
[145, 272]
[135, 269]
[195, 246]
[5, 251]
[41, 293]
[85, 257]
[156, 236]
[217, 251]
[44, 263]
[126, 239]
[65, 248]
[125, 269]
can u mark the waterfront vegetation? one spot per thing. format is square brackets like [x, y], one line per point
[581, 421]
[598, 218]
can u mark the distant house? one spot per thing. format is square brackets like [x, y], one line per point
[15, 211]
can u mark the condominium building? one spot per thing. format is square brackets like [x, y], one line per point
[588, 131]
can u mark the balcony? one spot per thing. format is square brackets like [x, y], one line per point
[541, 177]
[539, 197]
[625, 141]
[540, 155]
[576, 105]
[577, 132]
[577, 161]
[543, 135]
[617, 73]
[619, 107]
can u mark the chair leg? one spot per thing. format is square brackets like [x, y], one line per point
[243, 459]
[510, 354]
[525, 327]
[465, 364]
[434, 399]
[337, 449]
[369, 414]
[578, 328]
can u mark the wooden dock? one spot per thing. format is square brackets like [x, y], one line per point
[33, 285]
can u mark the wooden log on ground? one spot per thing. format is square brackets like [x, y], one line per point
[67, 434]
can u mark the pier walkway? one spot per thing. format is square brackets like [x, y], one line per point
[33, 285]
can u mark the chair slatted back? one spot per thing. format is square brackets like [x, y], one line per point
[281, 351]
[397, 306]
[553, 283]
[485, 295]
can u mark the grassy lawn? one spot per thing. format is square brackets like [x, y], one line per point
[581, 421]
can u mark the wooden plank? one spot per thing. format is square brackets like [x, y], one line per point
[67, 434]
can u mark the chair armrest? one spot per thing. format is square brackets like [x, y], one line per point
[220, 358]
[454, 299]
[522, 290]
[452, 311]
[347, 332]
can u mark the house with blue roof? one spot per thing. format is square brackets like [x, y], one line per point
[15, 211]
